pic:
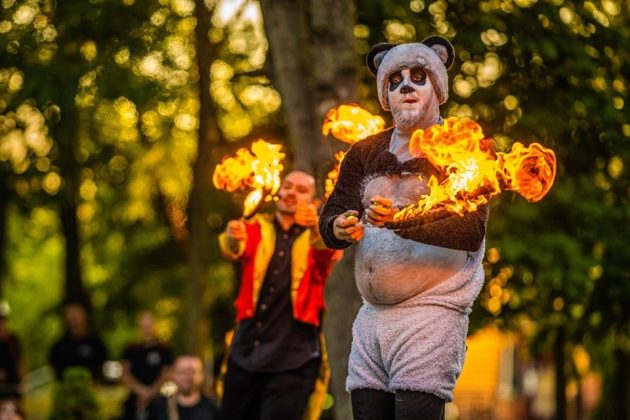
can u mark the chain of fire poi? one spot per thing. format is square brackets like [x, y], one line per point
[257, 169]
[471, 171]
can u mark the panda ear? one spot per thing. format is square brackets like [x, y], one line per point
[442, 48]
[375, 56]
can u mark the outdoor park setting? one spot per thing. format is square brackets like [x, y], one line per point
[161, 160]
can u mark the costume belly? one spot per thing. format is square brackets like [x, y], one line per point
[390, 269]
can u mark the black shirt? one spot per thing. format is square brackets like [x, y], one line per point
[273, 341]
[203, 410]
[147, 361]
[87, 351]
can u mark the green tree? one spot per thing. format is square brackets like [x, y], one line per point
[74, 398]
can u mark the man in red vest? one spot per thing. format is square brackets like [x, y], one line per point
[277, 355]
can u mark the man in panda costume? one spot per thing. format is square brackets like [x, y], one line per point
[419, 283]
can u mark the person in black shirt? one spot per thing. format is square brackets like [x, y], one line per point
[10, 357]
[146, 366]
[276, 357]
[188, 403]
[79, 346]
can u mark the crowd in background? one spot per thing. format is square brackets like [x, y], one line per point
[147, 365]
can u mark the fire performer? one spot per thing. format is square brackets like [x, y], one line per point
[277, 357]
[408, 339]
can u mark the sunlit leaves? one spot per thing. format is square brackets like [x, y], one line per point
[25, 13]
[478, 74]
[183, 7]
[260, 99]
[397, 32]
[125, 72]
[23, 134]
[11, 80]
[26, 27]
[493, 38]
[52, 182]
[438, 10]
[117, 121]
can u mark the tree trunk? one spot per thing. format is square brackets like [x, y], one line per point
[621, 403]
[199, 237]
[315, 68]
[67, 141]
[561, 384]
[4, 206]
[287, 29]
[65, 77]
[335, 70]
[343, 302]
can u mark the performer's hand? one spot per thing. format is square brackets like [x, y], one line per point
[381, 210]
[144, 397]
[236, 233]
[347, 226]
[306, 215]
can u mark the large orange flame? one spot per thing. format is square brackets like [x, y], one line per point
[258, 169]
[472, 172]
[530, 171]
[351, 123]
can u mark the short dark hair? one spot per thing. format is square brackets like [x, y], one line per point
[306, 171]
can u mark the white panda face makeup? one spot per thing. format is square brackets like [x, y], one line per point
[412, 99]
[417, 76]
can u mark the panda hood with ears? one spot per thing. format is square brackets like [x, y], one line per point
[435, 54]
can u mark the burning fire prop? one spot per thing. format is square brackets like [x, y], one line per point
[350, 124]
[258, 169]
[472, 172]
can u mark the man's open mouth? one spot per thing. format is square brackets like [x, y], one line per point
[410, 100]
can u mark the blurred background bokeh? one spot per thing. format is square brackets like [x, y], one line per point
[113, 114]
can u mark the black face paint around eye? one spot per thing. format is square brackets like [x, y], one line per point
[418, 76]
[394, 81]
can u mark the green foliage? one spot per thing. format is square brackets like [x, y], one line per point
[74, 397]
[124, 74]
[34, 283]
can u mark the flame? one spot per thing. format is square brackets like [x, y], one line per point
[258, 169]
[333, 175]
[253, 200]
[351, 123]
[530, 171]
[471, 171]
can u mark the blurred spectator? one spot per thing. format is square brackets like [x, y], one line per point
[10, 410]
[10, 356]
[188, 403]
[146, 365]
[79, 346]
